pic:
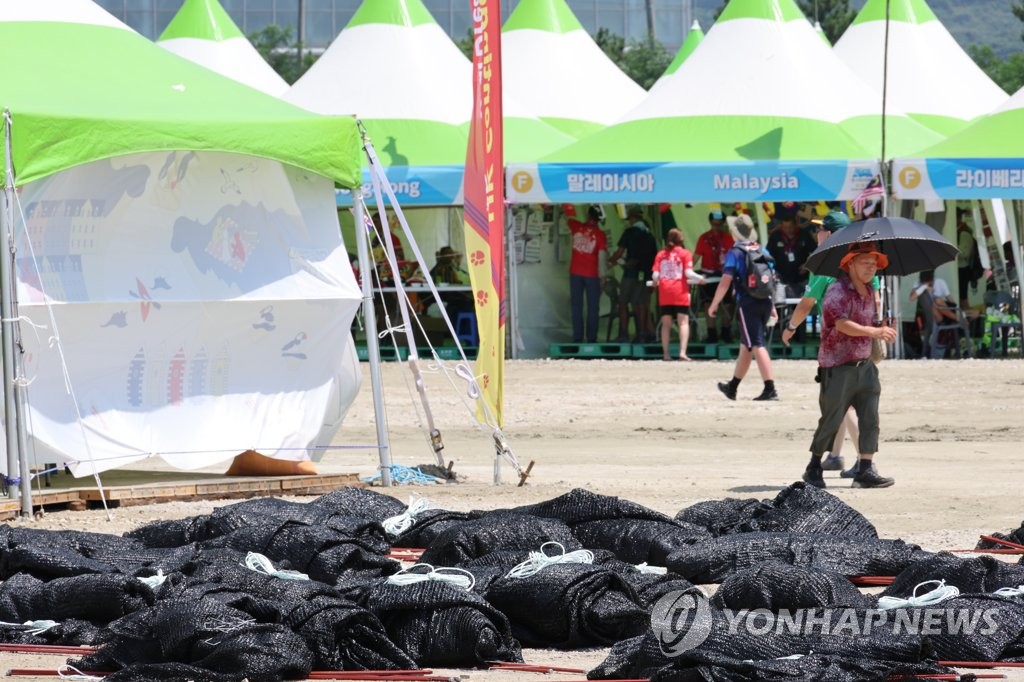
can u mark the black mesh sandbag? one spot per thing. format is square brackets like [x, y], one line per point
[50, 554]
[649, 586]
[341, 634]
[97, 598]
[440, 624]
[976, 627]
[70, 632]
[1014, 536]
[321, 552]
[170, 533]
[269, 510]
[835, 632]
[802, 508]
[361, 503]
[700, 666]
[495, 532]
[431, 523]
[639, 540]
[180, 639]
[774, 585]
[565, 606]
[714, 560]
[968, 574]
[719, 516]
[580, 505]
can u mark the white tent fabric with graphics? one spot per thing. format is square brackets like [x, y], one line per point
[179, 264]
[930, 77]
[204, 33]
[553, 65]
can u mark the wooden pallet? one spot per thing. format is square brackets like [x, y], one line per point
[211, 488]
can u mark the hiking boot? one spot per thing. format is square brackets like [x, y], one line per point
[728, 389]
[813, 476]
[835, 463]
[849, 473]
[871, 479]
[768, 394]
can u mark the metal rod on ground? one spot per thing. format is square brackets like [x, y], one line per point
[1015, 241]
[372, 346]
[17, 451]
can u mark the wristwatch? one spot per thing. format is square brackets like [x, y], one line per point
[790, 327]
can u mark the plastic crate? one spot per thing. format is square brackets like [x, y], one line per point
[590, 350]
[387, 353]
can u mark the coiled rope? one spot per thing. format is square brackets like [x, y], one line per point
[261, 564]
[941, 593]
[1010, 592]
[32, 627]
[154, 581]
[396, 525]
[444, 574]
[651, 570]
[538, 561]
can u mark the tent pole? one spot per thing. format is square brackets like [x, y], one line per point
[512, 282]
[17, 450]
[1015, 242]
[372, 345]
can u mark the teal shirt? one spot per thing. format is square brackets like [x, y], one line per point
[817, 285]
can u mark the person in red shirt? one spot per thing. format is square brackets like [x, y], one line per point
[673, 267]
[586, 270]
[710, 253]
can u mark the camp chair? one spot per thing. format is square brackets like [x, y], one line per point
[932, 346]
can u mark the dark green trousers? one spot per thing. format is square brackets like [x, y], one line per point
[841, 388]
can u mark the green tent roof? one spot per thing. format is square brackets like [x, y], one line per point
[405, 13]
[204, 19]
[909, 11]
[775, 10]
[108, 91]
[553, 16]
[693, 39]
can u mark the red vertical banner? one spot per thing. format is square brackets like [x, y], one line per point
[484, 216]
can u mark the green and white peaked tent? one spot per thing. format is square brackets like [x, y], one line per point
[413, 92]
[693, 39]
[203, 32]
[551, 64]
[727, 125]
[176, 232]
[930, 77]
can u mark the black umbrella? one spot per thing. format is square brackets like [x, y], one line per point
[911, 246]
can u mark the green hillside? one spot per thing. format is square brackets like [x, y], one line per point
[972, 22]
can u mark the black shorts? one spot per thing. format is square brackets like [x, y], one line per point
[753, 319]
[671, 310]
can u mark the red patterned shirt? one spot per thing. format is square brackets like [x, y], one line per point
[671, 267]
[842, 302]
[588, 240]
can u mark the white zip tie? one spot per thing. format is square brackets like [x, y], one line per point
[396, 525]
[652, 570]
[455, 576]
[940, 594]
[154, 581]
[261, 564]
[32, 627]
[538, 561]
[76, 675]
[1010, 592]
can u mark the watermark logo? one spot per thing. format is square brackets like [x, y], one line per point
[681, 620]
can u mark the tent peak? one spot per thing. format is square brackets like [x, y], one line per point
[397, 12]
[552, 16]
[908, 11]
[204, 19]
[772, 10]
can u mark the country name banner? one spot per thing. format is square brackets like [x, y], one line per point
[660, 182]
[958, 178]
[415, 186]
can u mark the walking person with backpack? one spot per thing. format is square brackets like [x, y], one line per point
[750, 270]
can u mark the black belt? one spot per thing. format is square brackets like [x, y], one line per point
[827, 371]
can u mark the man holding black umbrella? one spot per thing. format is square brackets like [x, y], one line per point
[847, 375]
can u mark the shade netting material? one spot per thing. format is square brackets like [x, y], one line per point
[495, 532]
[774, 585]
[968, 574]
[97, 597]
[1014, 536]
[431, 524]
[566, 606]
[180, 639]
[706, 667]
[49, 554]
[802, 508]
[713, 561]
[440, 624]
[979, 628]
[719, 517]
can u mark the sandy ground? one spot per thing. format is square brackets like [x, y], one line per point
[661, 434]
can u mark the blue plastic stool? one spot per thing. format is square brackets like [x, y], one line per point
[465, 329]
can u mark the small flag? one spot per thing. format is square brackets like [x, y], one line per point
[867, 202]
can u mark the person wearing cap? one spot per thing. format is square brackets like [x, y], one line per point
[752, 313]
[847, 375]
[639, 247]
[710, 254]
[447, 271]
[816, 287]
[790, 246]
[587, 267]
